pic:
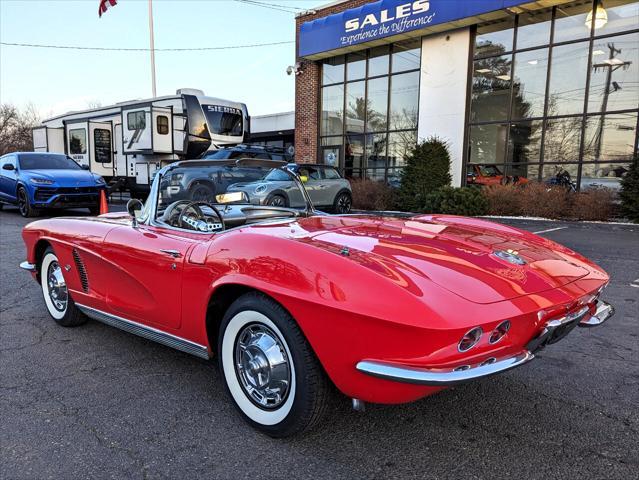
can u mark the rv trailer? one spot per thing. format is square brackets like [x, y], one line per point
[128, 142]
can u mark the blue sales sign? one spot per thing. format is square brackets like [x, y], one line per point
[387, 18]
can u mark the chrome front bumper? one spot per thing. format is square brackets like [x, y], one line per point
[554, 331]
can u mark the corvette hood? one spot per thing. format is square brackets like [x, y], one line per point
[473, 261]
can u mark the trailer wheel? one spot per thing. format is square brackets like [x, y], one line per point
[200, 192]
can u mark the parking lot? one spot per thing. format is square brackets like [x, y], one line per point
[95, 402]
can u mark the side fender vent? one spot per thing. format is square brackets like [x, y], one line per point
[82, 271]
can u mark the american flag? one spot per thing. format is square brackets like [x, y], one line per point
[104, 5]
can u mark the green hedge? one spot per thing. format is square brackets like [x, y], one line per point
[456, 201]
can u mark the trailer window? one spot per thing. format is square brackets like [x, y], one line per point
[224, 120]
[102, 145]
[136, 120]
[78, 141]
[163, 124]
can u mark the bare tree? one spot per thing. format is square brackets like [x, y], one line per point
[15, 128]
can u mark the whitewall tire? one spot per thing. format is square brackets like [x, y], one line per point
[269, 369]
[56, 295]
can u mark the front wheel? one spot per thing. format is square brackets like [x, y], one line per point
[24, 204]
[269, 369]
[343, 203]
[56, 294]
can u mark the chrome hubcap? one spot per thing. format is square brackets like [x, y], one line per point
[262, 366]
[57, 287]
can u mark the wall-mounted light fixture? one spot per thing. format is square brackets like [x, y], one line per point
[600, 14]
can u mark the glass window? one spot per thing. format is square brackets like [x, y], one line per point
[333, 70]
[46, 161]
[524, 144]
[378, 61]
[610, 138]
[355, 66]
[400, 144]
[355, 107]
[571, 22]
[519, 171]
[488, 143]
[495, 38]
[102, 149]
[551, 170]
[377, 104]
[563, 138]
[404, 101]
[331, 174]
[614, 81]
[376, 174]
[223, 120]
[136, 120]
[376, 150]
[332, 110]
[603, 175]
[529, 84]
[163, 124]
[568, 70]
[533, 29]
[353, 152]
[406, 56]
[620, 16]
[491, 88]
[77, 141]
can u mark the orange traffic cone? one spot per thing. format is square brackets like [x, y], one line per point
[104, 207]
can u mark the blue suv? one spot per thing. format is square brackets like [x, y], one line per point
[34, 181]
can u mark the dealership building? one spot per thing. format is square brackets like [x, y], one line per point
[512, 86]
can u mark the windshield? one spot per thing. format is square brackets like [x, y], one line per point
[231, 189]
[47, 161]
[223, 120]
[489, 171]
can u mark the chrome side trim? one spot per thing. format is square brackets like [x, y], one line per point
[29, 267]
[602, 314]
[436, 378]
[146, 332]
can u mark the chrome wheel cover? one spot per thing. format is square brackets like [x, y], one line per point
[262, 366]
[57, 287]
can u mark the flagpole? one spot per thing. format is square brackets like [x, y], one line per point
[152, 47]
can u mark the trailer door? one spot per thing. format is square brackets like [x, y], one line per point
[101, 148]
[77, 141]
[162, 130]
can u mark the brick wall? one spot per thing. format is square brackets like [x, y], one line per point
[307, 92]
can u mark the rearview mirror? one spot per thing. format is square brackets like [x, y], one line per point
[134, 207]
[8, 166]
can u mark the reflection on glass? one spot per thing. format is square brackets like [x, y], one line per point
[568, 79]
[400, 145]
[355, 66]
[377, 104]
[529, 87]
[621, 16]
[375, 174]
[376, 150]
[355, 107]
[331, 141]
[406, 56]
[488, 143]
[571, 22]
[610, 138]
[403, 101]
[550, 170]
[491, 89]
[378, 61]
[525, 142]
[603, 175]
[563, 137]
[353, 152]
[495, 38]
[614, 81]
[332, 110]
[517, 172]
[533, 29]
[333, 70]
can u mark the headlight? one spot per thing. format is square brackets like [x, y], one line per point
[260, 188]
[99, 180]
[176, 178]
[42, 181]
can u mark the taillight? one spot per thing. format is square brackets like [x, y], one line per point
[499, 332]
[470, 339]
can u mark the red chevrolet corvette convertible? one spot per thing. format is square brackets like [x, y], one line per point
[292, 300]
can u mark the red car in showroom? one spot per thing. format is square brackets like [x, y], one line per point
[389, 310]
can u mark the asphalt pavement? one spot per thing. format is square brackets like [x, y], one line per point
[95, 402]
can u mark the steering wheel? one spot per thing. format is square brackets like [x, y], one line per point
[190, 216]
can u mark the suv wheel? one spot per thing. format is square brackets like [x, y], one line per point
[24, 204]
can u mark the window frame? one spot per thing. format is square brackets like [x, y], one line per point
[129, 123]
[157, 124]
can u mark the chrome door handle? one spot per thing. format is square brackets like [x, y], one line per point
[173, 253]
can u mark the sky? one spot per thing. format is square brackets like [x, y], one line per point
[55, 81]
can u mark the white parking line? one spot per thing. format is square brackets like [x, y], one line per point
[635, 283]
[549, 230]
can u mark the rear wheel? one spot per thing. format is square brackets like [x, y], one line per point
[24, 204]
[201, 193]
[276, 201]
[269, 369]
[56, 294]
[343, 203]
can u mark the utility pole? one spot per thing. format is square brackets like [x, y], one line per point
[612, 64]
[152, 48]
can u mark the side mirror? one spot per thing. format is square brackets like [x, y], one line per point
[303, 178]
[84, 167]
[8, 166]
[134, 207]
